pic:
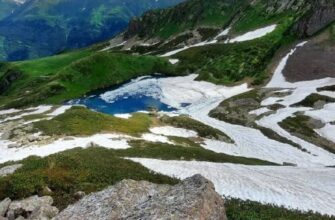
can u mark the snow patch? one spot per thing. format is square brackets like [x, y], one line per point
[60, 110]
[124, 116]
[173, 61]
[172, 131]
[155, 138]
[261, 32]
[259, 111]
[204, 43]
[111, 141]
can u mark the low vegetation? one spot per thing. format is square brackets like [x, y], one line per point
[237, 209]
[202, 129]
[303, 127]
[327, 88]
[313, 100]
[177, 152]
[79, 121]
[66, 173]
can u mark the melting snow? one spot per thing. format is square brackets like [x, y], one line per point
[165, 89]
[204, 43]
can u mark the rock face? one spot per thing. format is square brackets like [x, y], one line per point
[193, 198]
[321, 14]
[32, 208]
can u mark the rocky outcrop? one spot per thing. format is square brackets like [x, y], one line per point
[320, 14]
[7, 79]
[32, 208]
[9, 169]
[193, 198]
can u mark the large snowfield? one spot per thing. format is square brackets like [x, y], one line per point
[310, 185]
[292, 187]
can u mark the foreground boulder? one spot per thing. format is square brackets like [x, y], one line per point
[193, 198]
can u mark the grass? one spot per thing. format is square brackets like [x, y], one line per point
[313, 99]
[237, 209]
[202, 129]
[59, 78]
[66, 173]
[177, 152]
[231, 63]
[256, 16]
[79, 121]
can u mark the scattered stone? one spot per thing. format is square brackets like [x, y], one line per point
[90, 144]
[193, 198]
[79, 194]
[33, 207]
[9, 169]
[14, 145]
[289, 164]
[4, 205]
[32, 138]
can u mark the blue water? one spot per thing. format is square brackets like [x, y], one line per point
[123, 105]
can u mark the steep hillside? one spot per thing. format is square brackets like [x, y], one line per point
[42, 28]
[8, 7]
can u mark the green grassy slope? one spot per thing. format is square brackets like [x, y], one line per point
[71, 75]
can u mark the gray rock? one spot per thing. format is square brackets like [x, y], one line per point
[9, 169]
[193, 198]
[321, 14]
[4, 205]
[32, 138]
[26, 206]
[11, 215]
[13, 145]
[44, 212]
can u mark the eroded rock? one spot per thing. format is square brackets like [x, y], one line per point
[193, 198]
[34, 208]
[4, 205]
